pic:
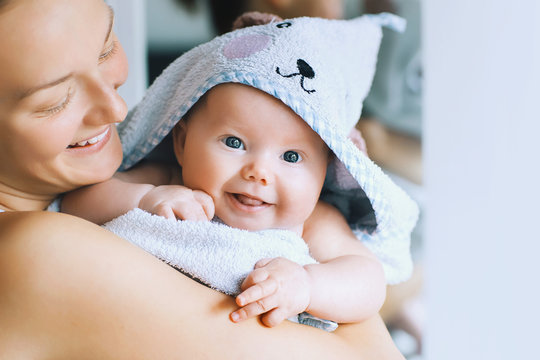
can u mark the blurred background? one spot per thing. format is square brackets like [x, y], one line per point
[451, 118]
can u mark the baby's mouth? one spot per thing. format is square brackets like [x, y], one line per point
[247, 204]
[248, 200]
[91, 141]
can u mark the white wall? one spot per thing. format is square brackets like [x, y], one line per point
[482, 97]
[130, 26]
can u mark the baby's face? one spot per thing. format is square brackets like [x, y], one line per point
[262, 164]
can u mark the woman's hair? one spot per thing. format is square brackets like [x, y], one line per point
[3, 3]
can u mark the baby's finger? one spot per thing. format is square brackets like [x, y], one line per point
[256, 292]
[254, 277]
[165, 211]
[206, 202]
[263, 262]
[189, 211]
[274, 317]
[254, 309]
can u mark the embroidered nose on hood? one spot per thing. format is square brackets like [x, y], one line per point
[304, 71]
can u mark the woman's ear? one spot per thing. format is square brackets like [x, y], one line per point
[179, 140]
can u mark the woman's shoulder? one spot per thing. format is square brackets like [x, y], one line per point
[21, 224]
[14, 218]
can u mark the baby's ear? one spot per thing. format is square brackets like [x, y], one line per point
[179, 140]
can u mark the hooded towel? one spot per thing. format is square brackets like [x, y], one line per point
[322, 69]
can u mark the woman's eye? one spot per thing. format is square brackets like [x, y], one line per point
[57, 108]
[292, 156]
[233, 142]
[111, 50]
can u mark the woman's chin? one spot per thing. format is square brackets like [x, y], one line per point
[105, 170]
[95, 167]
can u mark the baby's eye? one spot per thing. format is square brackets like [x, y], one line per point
[292, 156]
[233, 142]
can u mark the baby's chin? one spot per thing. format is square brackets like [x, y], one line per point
[259, 225]
[250, 225]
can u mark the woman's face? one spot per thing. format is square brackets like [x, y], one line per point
[60, 67]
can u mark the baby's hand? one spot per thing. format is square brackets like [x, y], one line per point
[278, 287]
[176, 201]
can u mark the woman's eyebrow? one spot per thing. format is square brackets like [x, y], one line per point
[34, 89]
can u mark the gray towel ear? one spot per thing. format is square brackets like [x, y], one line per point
[389, 21]
[253, 18]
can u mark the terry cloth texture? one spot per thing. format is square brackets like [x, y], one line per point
[218, 255]
[322, 69]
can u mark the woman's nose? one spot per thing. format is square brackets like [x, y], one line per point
[107, 105]
[259, 172]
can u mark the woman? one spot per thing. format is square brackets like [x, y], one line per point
[69, 289]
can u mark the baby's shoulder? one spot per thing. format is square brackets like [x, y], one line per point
[154, 173]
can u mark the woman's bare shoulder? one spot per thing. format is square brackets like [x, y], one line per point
[19, 225]
[18, 218]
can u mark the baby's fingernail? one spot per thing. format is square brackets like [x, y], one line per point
[235, 317]
[240, 301]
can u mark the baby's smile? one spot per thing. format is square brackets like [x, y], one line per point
[246, 202]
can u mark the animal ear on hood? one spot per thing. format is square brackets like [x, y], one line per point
[252, 18]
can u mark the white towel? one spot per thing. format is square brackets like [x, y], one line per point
[218, 255]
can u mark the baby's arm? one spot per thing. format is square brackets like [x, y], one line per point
[348, 284]
[151, 187]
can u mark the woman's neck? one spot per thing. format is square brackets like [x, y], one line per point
[15, 200]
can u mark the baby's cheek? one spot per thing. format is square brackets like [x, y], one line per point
[300, 202]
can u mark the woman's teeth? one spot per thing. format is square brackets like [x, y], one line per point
[91, 141]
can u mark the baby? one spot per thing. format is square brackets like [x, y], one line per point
[260, 166]
[255, 163]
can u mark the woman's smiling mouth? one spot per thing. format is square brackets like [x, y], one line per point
[92, 141]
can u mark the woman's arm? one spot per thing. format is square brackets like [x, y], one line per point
[69, 289]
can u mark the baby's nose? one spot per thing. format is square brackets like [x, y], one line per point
[258, 172]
